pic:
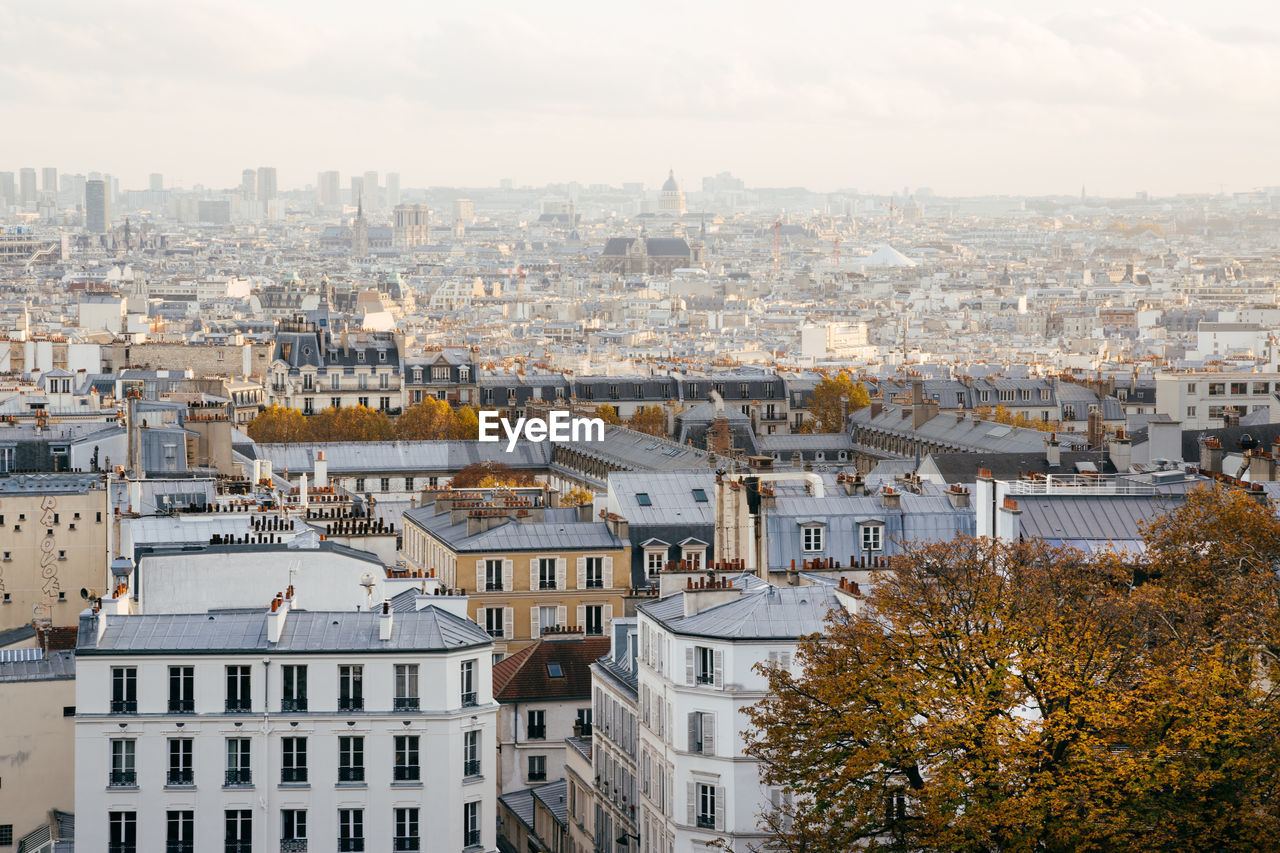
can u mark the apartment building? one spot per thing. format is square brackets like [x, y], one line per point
[312, 369]
[446, 374]
[611, 786]
[697, 652]
[1207, 400]
[288, 730]
[531, 568]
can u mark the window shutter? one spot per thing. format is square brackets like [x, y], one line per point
[562, 572]
[693, 731]
[688, 665]
[508, 623]
[582, 616]
[719, 669]
[480, 576]
[533, 573]
[693, 803]
[709, 734]
[607, 623]
[508, 575]
[561, 616]
[582, 573]
[608, 572]
[720, 806]
[535, 630]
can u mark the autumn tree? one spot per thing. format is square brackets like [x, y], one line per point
[648, 419]
[350, 423]
[608, 414]
[465, 425]
[1002, 415]
[828, 405]
[430, 420]
[995, 696]
[278, 424]
[577, 497]
[484, 474]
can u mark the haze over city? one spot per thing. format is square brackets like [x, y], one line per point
[990, 97]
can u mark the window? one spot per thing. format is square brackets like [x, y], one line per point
[1217, 389]
[547, 573]
[180, 769]
[537, 725]
[335, 402]
[384, 484]
[407, 830]
[642, 498]
[468, 679]
[811, 537]
[122, 832]
[471, 753]
[595, 572]
[351, 688]
[654, 560]
[613, 392]
[359, 484]
[494, 622]
[408, 484]
[471, 824]
[702, 733]
[239, 831]
[700, 496]
[238, 696]
[293, 829]
[1262, 387]
[350, 830]
[384, 381]
[406, 687]
[293, 763]
[6, 834]
[294, 689]
[1239, 387]
[493, 575]
[594, 614]
[362, 402]
[1068, 412]
[537, 768]
[706, 665]
[124, 688]
[872, 537]
[124, 771]
[1025, 394]
[239, 762]
[360, 355]
[708, 816]
[350, 759]
[555, 670]
[407, 768]
[547, 618]
[180, 836]
[182, 690]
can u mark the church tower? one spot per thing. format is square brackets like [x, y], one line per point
[671, 200]
[360, 231]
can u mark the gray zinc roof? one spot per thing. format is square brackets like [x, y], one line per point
[762, 612]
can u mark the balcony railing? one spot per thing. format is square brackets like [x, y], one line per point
[238, 847]
[238, 706]
[180, 777]
[121, 847]
[706, 678]
[351, 703]
[182, 706]
[405, 843]
[350, 774]
[470, 699]
[706, 821]
[407, 773]
[239, 778]
[471, 768]
[293, 774]
[537, 775]
[291, 705]
[537, 732]
[471, 838]
[123, 778]
[293, 845]
[350, 845]
[407, 703]
[124, 706]
[179, 847]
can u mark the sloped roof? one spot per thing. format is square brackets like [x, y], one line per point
[762, 612]
[524, 676]
[886, 256]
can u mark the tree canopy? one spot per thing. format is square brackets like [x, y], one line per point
[482, 474]
[648, 419]
[827, 406]
[608, 414]
[277, 424]
[430, 420]
[1007, 697]
[436, 420]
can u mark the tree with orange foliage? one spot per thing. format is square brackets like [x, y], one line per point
[278, 424]
[608, 414]
[350, 423]
[648, 419]
[430, 420]
[485, 474]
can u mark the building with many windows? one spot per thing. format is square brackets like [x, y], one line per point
[312, 369]
[289, 730]
[1209, 400]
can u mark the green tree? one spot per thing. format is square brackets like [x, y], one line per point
[828, 403]
[278, 424]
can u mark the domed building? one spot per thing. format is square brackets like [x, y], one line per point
[671, 200]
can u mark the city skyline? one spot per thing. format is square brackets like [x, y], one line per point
[1004, 99]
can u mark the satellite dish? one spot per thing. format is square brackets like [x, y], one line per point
[366, 580]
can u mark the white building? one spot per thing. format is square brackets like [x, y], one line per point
[284, 731]
[1201, 399]
[698, 650]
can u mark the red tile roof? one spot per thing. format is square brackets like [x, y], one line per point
[524, 677]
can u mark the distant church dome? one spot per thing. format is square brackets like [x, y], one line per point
[671, 186]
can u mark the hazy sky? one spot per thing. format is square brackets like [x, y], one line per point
[965, 97]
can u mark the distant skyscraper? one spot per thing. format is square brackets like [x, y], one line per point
[266, 183]
[27, 186]
[371, 190]
[249, 184]
[393, 189]
[8, 189]
[97, 206]
[49, 179]
[329, 189]
[157, 182]
[357, 190]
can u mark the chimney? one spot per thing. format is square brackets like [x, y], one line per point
[890, 499]
[384, 622]
[958, 495]
[585, 511]
[984, 503]
[1211, 456]
[1095, 428]
[1008, 521]
[1053, 451]
[619, 526]
[702, 593]
[1164, 440]
[1121, 452]
[1231, 417]
[1262, 466]
[322, 470]
[877, 407]
[302, 491]
[276, 616]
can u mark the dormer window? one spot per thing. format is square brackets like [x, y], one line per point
[811, 537]
[872, 537]
[360, 356]
[382, 355]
